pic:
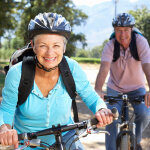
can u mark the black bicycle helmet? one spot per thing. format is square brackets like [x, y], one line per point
[123, 20]
[49, 23]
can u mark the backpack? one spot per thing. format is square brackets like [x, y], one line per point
[133, 47]
[26, 55]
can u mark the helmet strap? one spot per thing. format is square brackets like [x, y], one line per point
[40, 66]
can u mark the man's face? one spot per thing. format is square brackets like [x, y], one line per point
[123, 36]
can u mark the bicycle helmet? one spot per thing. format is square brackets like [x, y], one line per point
[123, 20]
[49, 23]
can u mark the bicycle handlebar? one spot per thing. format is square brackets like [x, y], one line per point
[58, 129]
[30, 139]
[53, 130]
[125, 97]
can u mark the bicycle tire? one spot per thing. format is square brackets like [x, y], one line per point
[125, 142]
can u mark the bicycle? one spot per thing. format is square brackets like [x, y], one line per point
[87, 127]
[126, 138]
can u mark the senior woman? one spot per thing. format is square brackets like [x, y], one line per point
[48, 103]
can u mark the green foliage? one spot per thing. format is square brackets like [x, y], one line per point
[86, 60]
[142, 17]
[71, 46]
[17, 43]
[5, 54]
[2, 75]
[96, 52]
[82, 53]
[8, 21]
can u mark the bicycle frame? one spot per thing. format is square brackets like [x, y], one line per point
[125, 127]
[126, 139]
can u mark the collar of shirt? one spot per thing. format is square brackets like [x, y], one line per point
[36, 90]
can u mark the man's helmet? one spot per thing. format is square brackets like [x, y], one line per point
[123, 20]
[49, 23]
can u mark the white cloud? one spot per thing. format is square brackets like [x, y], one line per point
[88, 2]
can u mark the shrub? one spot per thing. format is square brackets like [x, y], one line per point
[86, 60]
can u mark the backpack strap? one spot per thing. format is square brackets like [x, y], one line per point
[133, 47]
[27, 79]
[116, 53]
[70, 85]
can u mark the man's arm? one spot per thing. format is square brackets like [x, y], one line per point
[146, 69]
[101, 77]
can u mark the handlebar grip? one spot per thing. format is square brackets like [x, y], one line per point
[115, 113]
[28, 136]
[105, 97]
[22, 136]
[94, 121]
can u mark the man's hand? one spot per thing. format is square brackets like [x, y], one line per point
[147, 99]
[104, 116]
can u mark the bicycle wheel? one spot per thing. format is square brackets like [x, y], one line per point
[125, 143]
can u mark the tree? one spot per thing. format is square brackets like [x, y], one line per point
[82, 53]
[17, 43]
[31, 8]
[96, 52]
[8, 21]
[142, 17]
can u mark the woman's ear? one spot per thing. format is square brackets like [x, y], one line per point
[32, 44]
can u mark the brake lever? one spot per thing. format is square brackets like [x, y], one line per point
[91, 129]
[33, 142]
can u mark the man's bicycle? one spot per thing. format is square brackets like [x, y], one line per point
[86, 127]
[126, 138]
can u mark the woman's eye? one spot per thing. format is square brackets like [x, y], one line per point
[57, 46]
[42, 46]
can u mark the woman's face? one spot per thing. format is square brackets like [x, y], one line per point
[49, 49]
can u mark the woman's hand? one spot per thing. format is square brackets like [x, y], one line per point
[104, 116]
[8, 136]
